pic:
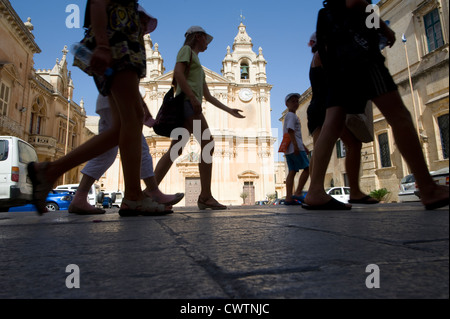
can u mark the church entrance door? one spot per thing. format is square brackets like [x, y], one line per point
[193, 189]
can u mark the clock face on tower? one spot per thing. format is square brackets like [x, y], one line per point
[246, 95]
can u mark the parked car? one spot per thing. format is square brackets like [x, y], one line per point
[95, 196]
[56, 200]
[118, 198]
[441, 176]
[262, 202]
[279, 201]
[107, 202]
[342, 194]
[407, 188]
[15, 186]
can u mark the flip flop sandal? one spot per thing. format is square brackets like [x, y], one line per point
[332, 204]
[146, 207]
[41, 187]
[365, 200]
[440, 203]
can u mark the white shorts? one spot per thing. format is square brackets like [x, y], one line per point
[97, 166]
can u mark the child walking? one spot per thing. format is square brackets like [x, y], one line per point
[296, 153]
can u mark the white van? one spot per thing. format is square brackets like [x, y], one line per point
[95, 196]
[16, 188]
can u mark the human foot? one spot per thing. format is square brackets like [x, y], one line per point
[146, 207]
[41, 185]
[322, 200]
[84, 209]
[164, 199]
[436, 197]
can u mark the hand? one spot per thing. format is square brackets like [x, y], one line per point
[196, 105]
[390, 36]
[148, 118]
[101, 60]
[235, 113]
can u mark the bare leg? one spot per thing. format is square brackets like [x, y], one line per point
[398, 116]
[315, 136]
[206, 199]
[290, 185]
[302, 181]
[205, 166]
[166, 161]
[331, 130]
[80, 198]
[154, 193]
[127, 100]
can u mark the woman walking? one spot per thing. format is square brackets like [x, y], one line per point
[115, 36]
[190, 79]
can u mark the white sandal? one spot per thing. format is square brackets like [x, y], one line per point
[145, 207]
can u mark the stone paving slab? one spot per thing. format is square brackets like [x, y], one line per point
[253, 252]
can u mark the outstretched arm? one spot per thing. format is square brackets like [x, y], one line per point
[211, 99]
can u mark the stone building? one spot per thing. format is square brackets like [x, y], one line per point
[419, 62]
[36, 105]
[243, 160]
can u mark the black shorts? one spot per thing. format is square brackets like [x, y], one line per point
[316, 115]
[352, 88]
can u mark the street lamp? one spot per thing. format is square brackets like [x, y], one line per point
[67, 127]
[411, 84]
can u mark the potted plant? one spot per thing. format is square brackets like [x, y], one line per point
[380, 194]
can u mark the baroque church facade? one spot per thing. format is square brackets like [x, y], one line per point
[243, 161]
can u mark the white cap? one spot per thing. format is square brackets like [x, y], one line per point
[151, 21]
[312, 40]
[291, 95]
[195, 29]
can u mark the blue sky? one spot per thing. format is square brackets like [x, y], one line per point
[282, 28]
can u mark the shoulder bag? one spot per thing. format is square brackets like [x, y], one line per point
[171, 113]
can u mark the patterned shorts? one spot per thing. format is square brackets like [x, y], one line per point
[125, 40]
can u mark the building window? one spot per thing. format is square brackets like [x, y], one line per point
[385, 153]
[340, 149]
[62, 132]
[37, 118]
[443, 130]
[4, 98]
[433, 30]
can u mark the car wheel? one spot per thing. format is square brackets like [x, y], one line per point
[51, 207]
[100, 197]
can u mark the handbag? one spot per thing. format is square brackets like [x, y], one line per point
[171, 113]
[285, 143]
[361, 125]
